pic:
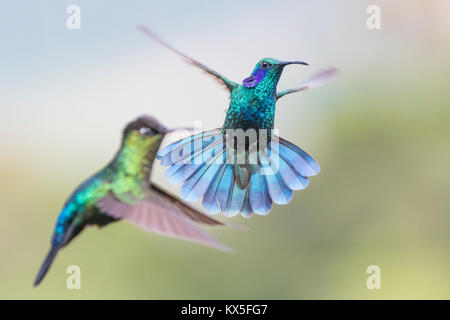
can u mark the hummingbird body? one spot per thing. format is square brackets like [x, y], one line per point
[127, 177]
[235, 169]
[249, 108]
[122, 190]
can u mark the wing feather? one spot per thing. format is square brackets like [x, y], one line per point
[230, 85]
[161, 213]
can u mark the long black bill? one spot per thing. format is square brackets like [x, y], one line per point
[177, 129]
[285, 63]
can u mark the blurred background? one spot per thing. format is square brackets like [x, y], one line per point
[380, 132]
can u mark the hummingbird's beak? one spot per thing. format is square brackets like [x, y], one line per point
[285, 63]
[166, 131]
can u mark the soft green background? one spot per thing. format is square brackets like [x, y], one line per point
[380, 131]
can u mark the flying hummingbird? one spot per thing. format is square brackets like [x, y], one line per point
[205, 163]
[122, 190]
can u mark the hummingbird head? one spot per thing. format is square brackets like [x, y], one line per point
[144, 136]
[267, 71]
[146, 126]
[141, 140]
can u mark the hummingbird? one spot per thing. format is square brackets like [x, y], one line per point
[123, 191]
[205, 163]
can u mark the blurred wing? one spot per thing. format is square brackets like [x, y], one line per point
[317, 80]
[222, 80]
[190, 212]
[160, 214]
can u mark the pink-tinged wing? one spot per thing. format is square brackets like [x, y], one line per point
[185, 209]
[189, 211]
[157, 215]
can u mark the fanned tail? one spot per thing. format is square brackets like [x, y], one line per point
[199, 162]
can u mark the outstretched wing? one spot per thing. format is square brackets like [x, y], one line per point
[317, 80]
[160, 213]
[222, 80]
[190, 212]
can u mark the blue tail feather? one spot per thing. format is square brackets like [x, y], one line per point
[196, 186]
[279, 192]
[187, 147]
[183, 170]
[169, 148]
[224, 188]
[260, 201]
[301, 161]
[209, 201]
[291, 178]
[235, 201]
[246, 210]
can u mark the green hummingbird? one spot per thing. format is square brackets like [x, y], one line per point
[243, 166]
[123, 190]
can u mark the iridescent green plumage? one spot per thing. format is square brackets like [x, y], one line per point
[242, 167]
[122, 190]
[254, 107]
[126, 177]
